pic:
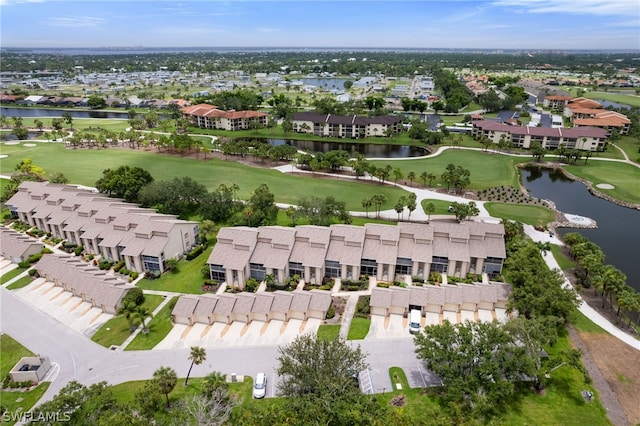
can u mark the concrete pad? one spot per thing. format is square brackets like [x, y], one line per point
[172, 341]
[467, 316]
[376, 329]
[485, 315]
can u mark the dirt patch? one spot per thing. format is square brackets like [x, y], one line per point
[398, 401]
[339, 304]
[619, 364]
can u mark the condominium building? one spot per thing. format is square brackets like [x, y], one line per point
[210, 117]
[582, 138]
[104, 226]
[387, 252]
[344, 126]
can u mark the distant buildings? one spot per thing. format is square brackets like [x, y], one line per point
[587, 112]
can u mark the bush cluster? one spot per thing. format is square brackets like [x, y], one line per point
[195, 252]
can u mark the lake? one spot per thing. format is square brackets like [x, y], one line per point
[618, 231]
[366, 149]
[47, 113]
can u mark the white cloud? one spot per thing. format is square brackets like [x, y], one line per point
[76, 21]
[12, 2]
[585, 7]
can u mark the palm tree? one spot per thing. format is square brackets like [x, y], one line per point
[411, 176]
[430, 208]
[269, 280]
[366, 203]
[431, 177]
[142, 314]
[424, 176]
[214, 383]
[197, 357]
[128, 309]
[166, 379]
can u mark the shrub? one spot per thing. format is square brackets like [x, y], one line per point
[34, 258]
[383, 285]
[173, 265]
[24, 265]
[363, 307]
[353, 288]
[134, 295]
[331, 312]
[134, 275]
[195, 252]
[118, 266]
[33, 272]
[78, 250]
[251, 285]
[204, 271]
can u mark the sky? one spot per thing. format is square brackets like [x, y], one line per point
[481, 24]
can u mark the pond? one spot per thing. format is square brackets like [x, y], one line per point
[48, 113]
[612, 104]
[366, 149]
[618, 231]
[326, 83]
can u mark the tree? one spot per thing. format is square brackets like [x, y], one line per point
[322, 211]
[142, 314]
[366, 204]
[397, 174]
[128, 310]
[411, 203]
[318, 378]
[149, 399]
[197, 356]
[96, 102]
[538, 151]
[378, 200]
[124, 182]
[214, 383]
[399, 207]
[68, 118]
[262, 204]
[411, 176]
[180, 196]
[424, 176]
[463, 211]
[477, 362]
[430, 209]
[166, 379]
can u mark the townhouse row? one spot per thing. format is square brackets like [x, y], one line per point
[345, 126]
[246, 307]
[17, 247]
[440, 298]
[109, 227]
[85, 281]
[588, 112]
[387, 252]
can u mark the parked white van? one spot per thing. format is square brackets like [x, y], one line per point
[414, 321]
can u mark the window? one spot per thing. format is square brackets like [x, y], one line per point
[332, 269]
[439, 264]
[403, 266]
[368, 267]
[218, 273]
[296, 268]
[492, 265]
[257, 271]
[150, 263]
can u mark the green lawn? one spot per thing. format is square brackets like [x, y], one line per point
[442, 207]
[631, 146]
[614, 97]
[525, 213]
[22, 401]
[85, 166]
[12, 351]
[359, 328]
[159, 326]
[188, 279]
[283, 220]
[584, 324]
[563, 260]
[487, 169]
[328, 331]
[22, 282]
[11, 275]
[115, 331]
[624, 177]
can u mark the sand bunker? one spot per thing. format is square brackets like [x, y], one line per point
[29, 144]
[3, 155]
[579, 220]
[605, 186]
[12, 143]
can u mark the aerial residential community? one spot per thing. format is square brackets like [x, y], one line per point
[233, 216]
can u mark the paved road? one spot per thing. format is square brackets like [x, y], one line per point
[87, 362]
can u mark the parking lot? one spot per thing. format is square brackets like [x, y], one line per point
[237, 333]
[63, 306]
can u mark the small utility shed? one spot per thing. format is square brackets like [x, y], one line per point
[319, 304]
[243, 306]
[204, 310]
[183, 310]
[300, 304]
[30, 368]
[281, 305]
[262, 307]
[223, 311]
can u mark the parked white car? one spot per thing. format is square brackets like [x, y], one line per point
[260, 386]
